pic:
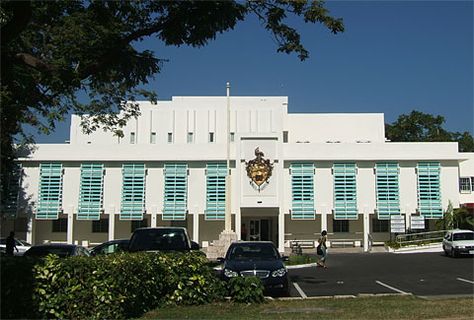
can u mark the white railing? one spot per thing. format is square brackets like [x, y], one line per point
[420, 237]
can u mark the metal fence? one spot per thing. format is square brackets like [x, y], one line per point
[420, 238]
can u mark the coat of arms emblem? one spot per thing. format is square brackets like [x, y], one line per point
[259, 170]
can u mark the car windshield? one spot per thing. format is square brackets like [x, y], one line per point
[44, 251]
[22, 243]
[159, 239]
[463, 236]
[253, 252]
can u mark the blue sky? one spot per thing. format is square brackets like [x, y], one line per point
[394, 57]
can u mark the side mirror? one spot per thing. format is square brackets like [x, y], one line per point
[285, 258]
[220, 260]
[194, 245]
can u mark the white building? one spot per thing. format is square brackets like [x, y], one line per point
[330, 171]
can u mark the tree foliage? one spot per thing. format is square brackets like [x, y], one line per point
[52, 50]
[422, 127]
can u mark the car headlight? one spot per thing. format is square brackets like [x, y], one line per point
[279, 273]
[230, 273]
[459, 247]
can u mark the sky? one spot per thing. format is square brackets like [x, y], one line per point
[394, 57]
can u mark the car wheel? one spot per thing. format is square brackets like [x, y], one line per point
[445, 251]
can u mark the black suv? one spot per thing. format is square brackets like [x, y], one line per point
[161, 239]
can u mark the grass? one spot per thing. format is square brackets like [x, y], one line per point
[300, 259]
[387, 307]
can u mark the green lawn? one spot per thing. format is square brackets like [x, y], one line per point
[388, 307]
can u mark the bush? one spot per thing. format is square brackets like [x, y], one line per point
[17, 282]
[122, 285]
[246, 290]
[303, 259]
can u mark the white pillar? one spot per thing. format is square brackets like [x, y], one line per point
[366, 218]
[111, 225]
[154, 218]
[196, 225]
[281, 230]
[324, 219]
[70, 225]
[407, 221]
[238, 223]
[29, 229]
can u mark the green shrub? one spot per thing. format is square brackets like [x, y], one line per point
[246, 290]
[122, 285]
[300, 259]
[17, 282]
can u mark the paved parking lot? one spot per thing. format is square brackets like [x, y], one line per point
[423, 274]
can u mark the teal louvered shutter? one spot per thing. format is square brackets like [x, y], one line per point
[50, 191]
[345, 191]
[215, 190]
[302, 189]
[133, 191]
[429, 190]
[91, 191]
[176, 191]
[387, 189]
[13, 191]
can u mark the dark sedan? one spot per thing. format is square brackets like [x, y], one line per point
[109, 247]
[260, 259]
[60, 249]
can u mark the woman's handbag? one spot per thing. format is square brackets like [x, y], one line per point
[319, 251]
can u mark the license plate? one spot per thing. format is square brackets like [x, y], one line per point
[471, 251]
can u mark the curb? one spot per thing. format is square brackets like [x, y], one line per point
[301, 266]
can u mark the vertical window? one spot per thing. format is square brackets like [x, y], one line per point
[100, 226]
[285, 136]
[232, 136]
[175, 193]
[153, 137]
[13, 180]
[472, 183]
[215, 190]
[387, 189]
[50, 191]
[429, 191]
[138, 224]
[345, 191]
[190, 137]
[132, 137]
[60, 225]
[211, 137]
[380, 225]
[302, 188]
[340, 226]
[133, 191]
[465, 184]
[90, 192]
[170, 137]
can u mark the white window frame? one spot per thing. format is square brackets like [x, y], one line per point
[463, 187]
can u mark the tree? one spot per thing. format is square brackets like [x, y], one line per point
[51, 50]
[423, 127]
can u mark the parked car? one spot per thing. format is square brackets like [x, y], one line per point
[21, 245]
[161, 239]
[109, 247]
[457, 242]
[260, 259]
[60, 249]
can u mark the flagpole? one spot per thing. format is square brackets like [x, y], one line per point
[228, 215]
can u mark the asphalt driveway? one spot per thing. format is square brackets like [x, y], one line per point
[421, 274]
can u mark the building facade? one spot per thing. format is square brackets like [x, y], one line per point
[291, 176]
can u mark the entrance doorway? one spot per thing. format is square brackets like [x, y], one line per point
[259, 230]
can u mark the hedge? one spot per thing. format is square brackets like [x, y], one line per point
[116, 286]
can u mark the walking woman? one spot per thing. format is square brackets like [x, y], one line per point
[321, 250]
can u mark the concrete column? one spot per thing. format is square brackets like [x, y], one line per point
[324, 219]
[111, 225]
[407, 221]
[238, 223]
[366, 218]
[70, 226]
[196, 225]
[29, 229]
[281, 230]
[154, 218]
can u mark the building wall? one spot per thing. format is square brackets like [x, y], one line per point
[321, 139]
